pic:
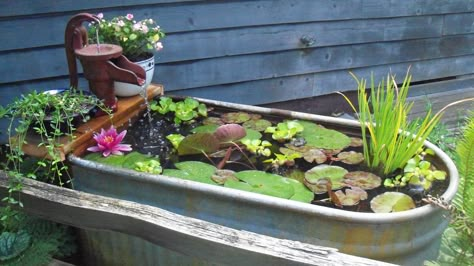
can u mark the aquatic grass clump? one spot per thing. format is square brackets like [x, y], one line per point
[389, 139]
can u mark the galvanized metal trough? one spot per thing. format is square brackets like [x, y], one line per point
[406, 238]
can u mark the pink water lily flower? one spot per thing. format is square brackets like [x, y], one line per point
[108, 142]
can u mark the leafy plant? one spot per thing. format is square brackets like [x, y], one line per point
[285, 131]
[51, 116]
[137, 38]
[458, 240]
[257, 146]
[185, 110]
[417, 171]
[389, 139]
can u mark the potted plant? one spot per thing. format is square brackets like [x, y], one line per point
[44, 121]
[404, 237]
[138, 40]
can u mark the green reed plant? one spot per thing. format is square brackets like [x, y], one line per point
[389, 139]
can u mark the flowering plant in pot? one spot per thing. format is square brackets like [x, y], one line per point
[138, 39]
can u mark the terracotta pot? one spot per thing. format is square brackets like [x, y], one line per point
[126, 89]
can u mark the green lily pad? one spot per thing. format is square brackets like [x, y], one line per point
[363, 180]
[391, 202]
[251, 134]
[259, 124]
[239, 185]
[295, 174]
[351, 157]
[334, 173]
[351, 196]
[315, 155]
[132, 158]
[302, 193]
[198, 143]
[192, 170]
[356, 142]
[221, 176]
[205, 129]
[197, 168]
[113, 160]
[235, 117]
[213, 121]
[323, 138]
[267, 184]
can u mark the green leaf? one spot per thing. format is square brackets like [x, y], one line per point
[13, 244]
[319, 137]
[363, 180]
[198, 143]
[321, 172]
[267, 184]
[302, 193]
[392, 202]
[196, 168]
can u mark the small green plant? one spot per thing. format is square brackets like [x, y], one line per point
[149, 166]
[389, 139]
[418, 172]
[285, 131]
[284, 159]
[184, 111]
[175, 139]
[257, 146]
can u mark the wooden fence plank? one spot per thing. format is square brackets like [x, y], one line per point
[230, 69]
[232, 41]
[182, 234]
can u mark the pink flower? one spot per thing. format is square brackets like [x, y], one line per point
[144, 28]
[121, 23]
[100, 15]
[158, 46]
[108, 142]
[129, 16]
[136, 26]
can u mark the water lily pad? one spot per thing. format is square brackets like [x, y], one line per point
[197, 168]
[259, 124]
[192, 170]
[323, 138]
[229, 133]
[302, 193]
[315, 155]
[392, 202]
[334, 173]
[351, 157]
[132, 158]
[205, 129]
[235, 117]
[351, 196]
[295, 174]
[267, 184]
[223, 175]
[363, 180]
[213, 121]
[198, 143]
[356, 142]
[251, 134]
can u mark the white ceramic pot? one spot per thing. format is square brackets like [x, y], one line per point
[126, 89]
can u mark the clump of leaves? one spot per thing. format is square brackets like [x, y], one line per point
[285, 131]
[257, 146]
[184, 111]
[418, 172]
[393, 139]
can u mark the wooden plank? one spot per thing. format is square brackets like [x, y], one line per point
[458, 24]
[193, 237]
[232, 41]
[229, 69]
[268, 90]
[127, 108]
[202, 14]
